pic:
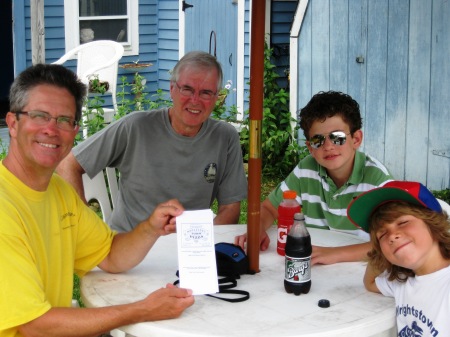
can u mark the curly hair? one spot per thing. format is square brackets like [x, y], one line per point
[438, 225]
[328, 104]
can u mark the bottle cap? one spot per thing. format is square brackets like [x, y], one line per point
[289, 194]
[299, 216]
[324, 303]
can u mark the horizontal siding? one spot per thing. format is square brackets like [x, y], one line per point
[282, 16]
[168, 39]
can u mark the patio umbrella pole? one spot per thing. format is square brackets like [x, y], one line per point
[256, 114]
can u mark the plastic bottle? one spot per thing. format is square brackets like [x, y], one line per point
[297, 276]
[286, 210]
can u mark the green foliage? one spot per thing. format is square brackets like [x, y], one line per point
[139, 100]
[3, 149]
[443, 195]
[93, 113]
[76, 290]
[280, 149]
[159, 100]
[221, 111]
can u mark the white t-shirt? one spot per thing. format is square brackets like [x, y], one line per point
[422, 303]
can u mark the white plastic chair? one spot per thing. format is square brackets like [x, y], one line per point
[444, 205]
[97, 189]
[97, 58]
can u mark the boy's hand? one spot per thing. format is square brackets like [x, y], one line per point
[241, 241]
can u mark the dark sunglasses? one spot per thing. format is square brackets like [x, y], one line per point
[336, 137]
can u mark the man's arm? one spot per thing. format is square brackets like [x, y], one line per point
[228, 214]
[130, 248]
[71, 170]
[164, 303]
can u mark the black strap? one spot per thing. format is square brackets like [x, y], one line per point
[245, 295]
[225, 284]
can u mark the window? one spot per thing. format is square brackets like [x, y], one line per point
[90, 20]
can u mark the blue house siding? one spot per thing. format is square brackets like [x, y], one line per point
[54, 30]
[55, 38]
[247, 38]
[19, 36]
[401, 78]
[281, 20]
[148, 42]
[168, 41]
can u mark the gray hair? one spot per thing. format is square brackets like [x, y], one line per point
[198, 59]
[51, 74]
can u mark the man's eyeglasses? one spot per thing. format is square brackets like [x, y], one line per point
[336, 137]
[206, 95]
[43, 118]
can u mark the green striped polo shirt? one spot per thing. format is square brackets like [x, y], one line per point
[323, 204]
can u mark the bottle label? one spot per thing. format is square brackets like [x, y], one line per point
[282, 234]
[298, 269]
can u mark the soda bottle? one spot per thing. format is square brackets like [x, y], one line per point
[297, 276]
[286, 210]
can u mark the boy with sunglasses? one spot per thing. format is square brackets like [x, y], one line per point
[329, 178]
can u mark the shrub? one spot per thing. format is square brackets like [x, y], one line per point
[279, 145]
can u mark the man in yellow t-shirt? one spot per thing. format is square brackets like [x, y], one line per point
[47, 233]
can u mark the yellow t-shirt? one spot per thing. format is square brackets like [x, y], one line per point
[44, 238]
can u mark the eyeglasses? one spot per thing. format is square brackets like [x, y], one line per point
[43, 118]
[206, 95]
[336, 137]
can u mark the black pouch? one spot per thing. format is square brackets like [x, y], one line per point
[231, 260]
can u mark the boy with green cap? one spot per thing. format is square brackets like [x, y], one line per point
[410, 254]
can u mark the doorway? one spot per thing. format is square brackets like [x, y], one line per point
[6, 42]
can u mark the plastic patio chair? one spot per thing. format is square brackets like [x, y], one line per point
[445, 206]
[97, 58]
[97, 189]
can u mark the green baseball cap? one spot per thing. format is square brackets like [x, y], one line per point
[361, 208]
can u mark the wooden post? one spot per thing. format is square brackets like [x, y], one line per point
[256, 116]
[37, 31]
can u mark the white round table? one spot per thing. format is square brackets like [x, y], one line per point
[270, 311]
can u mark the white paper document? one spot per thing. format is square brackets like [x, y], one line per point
[196, 252]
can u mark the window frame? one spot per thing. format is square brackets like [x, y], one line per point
[72, 22]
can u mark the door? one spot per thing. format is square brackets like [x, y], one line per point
[211, 26]
[6, 41]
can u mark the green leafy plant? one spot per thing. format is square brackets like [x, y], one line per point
[160, 99]
[138, 89]
[139, 100]
[93, 113]
[280, 149]
[3, 149]
[443, 195]
[221, 111]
